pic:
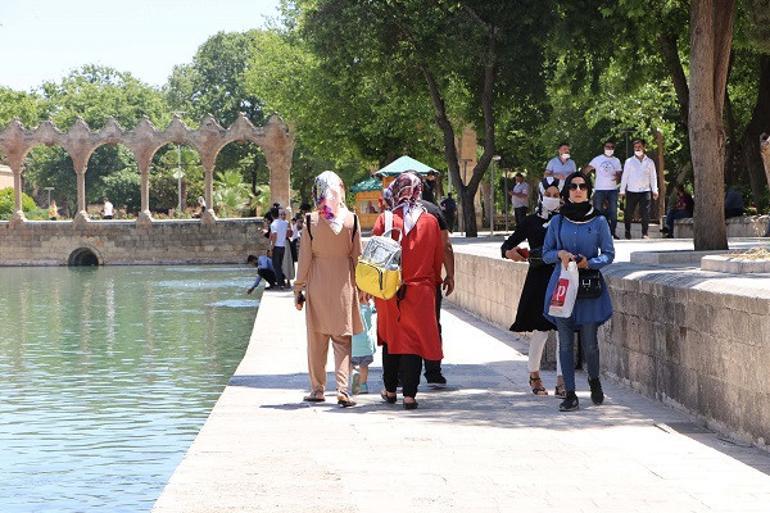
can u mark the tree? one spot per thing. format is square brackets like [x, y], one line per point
[711, 34]
[231, 195]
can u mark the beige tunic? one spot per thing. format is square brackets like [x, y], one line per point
[326, 272]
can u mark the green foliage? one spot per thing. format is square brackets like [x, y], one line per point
[231, 195]
[7, 203]
[122, 188]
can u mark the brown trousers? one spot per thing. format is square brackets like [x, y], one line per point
[317, 351]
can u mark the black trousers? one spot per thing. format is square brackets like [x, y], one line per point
[401, 367]
[433, 367]
[520, 213]
[278, 265]
[268, 275]
[642, 199]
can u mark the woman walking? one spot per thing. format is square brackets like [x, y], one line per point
[328, 250]
[406, 324]
[578, 234]
[529, 315]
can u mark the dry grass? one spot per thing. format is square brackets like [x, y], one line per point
[752, 254]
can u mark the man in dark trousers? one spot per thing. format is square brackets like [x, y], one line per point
[450, 211]
[433, 374]
[265, 270]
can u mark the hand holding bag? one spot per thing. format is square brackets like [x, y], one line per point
[565, 293]
[590, 283]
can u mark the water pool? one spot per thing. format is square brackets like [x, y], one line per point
[107, 376]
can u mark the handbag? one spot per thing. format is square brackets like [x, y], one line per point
[590, 281]
[535, 258]
[378, 271]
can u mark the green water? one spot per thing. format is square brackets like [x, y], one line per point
[106, 376]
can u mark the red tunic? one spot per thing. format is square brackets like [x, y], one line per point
[409, 326]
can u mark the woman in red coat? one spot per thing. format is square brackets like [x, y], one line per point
[406, 324]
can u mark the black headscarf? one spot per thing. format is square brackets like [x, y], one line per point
[577, 212]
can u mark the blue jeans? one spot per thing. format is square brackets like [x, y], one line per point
[566, 329]
[672, 216]
[611, 212]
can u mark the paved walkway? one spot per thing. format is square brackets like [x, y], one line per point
[485, 445]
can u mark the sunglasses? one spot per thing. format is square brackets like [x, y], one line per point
[576, 186]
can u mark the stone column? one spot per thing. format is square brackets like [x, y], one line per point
[18, 212]
[208, 217]
[80, 173]
[279, 150]
[145, 216]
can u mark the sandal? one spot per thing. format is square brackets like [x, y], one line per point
[344, 400]
[410, 405]
[560, 391]
[390, 399]
[316, 396]
[537, 386]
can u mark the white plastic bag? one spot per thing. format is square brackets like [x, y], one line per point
[565, 292]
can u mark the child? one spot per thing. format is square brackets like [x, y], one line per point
[364, 347]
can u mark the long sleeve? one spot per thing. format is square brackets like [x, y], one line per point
[550, 249]
[517, 237]
[304, 260]
[606, 246]
[624, 177]
[256, 282]
[653, 172]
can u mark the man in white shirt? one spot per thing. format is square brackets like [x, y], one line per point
[639, 182]
[608, 171]
[108, 212]
[520, 199]
[279, 234]
[562, 165]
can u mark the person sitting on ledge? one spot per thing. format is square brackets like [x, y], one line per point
[682, 209]
[734, 206]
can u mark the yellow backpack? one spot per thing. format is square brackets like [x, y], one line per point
[378, 271]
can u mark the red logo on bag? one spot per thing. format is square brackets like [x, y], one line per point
[560, 292]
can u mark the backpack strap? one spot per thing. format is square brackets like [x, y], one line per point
[307, 226]
[355, 227]
[389, 226]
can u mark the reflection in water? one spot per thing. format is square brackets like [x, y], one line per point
[107, 376]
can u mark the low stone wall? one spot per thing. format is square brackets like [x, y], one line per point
[695, 340]
[744, 226]
[126, 242]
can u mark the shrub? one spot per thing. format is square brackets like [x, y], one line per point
[7, 203]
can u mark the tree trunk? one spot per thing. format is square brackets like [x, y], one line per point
[760, 121]
[669, 49]
[711, 34]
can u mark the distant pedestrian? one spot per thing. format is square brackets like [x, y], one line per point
[639, 182]
[265, 270]
[734, 206]
[608, 175]
[562, 165]
[279, 234]
[108, 210]
[579, 234]
[449, 207]
[406, 324]
[329, 248]
[364, 347]
[682, 209]
[429, 186]
[53, 211]
[520, 199]
[529, 314]
[296, 229]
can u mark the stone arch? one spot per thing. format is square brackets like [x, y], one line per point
[144, 140]
[84, 256]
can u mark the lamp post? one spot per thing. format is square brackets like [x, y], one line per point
[179, 174]
[491, 209]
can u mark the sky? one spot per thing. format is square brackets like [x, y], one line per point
[42, 40]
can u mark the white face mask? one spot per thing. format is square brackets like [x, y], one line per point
[551, 204]
[609, 153]
[639, 153]
[565, 156]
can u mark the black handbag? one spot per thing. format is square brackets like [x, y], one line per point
[590, 281]
[536, 258]
[590, 284]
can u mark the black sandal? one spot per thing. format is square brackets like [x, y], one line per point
[390, 399]
[538, 389]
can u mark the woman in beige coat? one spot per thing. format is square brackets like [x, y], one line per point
[329, 249]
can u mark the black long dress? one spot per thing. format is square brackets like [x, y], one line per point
[529, 316]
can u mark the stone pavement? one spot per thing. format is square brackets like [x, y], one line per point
[485, 445]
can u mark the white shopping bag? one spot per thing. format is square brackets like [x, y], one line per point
[565, 292]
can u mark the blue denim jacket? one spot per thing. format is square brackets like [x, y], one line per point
[591, 239]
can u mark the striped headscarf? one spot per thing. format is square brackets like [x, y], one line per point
[329, 197]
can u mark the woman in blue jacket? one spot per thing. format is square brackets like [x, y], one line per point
[581, 235]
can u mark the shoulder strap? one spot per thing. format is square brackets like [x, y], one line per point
[355, 227]
[389, 225]
[307, 226]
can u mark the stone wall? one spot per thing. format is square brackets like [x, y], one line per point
[744, 226]
[126, 242]
[695, 340]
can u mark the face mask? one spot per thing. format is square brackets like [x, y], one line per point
[609, 153]
[639, 153]
[565, 156]
[551, 204]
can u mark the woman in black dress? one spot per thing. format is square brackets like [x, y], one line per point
[529, 316]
